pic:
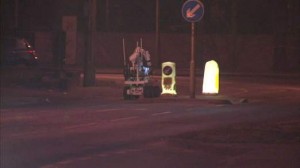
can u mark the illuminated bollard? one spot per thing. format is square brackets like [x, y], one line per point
[168, 82]
[211, 78]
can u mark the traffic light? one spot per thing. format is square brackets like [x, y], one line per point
[168, 82]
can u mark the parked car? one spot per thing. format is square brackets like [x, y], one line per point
[18, 51]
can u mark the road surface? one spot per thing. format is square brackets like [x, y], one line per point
[253, 122]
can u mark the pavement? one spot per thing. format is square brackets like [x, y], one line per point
[26, 86]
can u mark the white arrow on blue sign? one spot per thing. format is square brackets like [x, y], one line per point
[192, 10]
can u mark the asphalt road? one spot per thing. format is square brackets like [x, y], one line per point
[253, 122]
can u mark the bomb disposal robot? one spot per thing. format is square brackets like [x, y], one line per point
[137, 74]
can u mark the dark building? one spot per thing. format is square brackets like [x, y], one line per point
[278, 20]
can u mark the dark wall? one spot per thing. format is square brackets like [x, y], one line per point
[231, 30]
[255, 53]
[254, 17]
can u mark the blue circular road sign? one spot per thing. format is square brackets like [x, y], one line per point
[192, 10]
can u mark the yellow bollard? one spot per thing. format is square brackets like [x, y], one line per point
[211, 78]
[168, 82]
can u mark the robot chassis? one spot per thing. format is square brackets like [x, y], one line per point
[137, 74]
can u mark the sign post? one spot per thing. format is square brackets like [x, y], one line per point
[192, 11]
[192, 63]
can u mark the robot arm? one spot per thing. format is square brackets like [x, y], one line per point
[133, 57]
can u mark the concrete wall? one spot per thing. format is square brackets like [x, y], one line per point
[254, 53]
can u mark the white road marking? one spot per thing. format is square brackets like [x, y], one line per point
[17, 118]
[102, 155]
[86, 158]
[120, 152]
[140, 109]
[124, 119]
[81, 125]
[65, 162]
[292, 88]
[162, 113]
[105, 110]
[26, 134]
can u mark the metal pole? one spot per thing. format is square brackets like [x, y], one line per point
[16, 14]
[107, 15]
[157, 34]
[89, 69]
[192, 64]
[124, 52]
